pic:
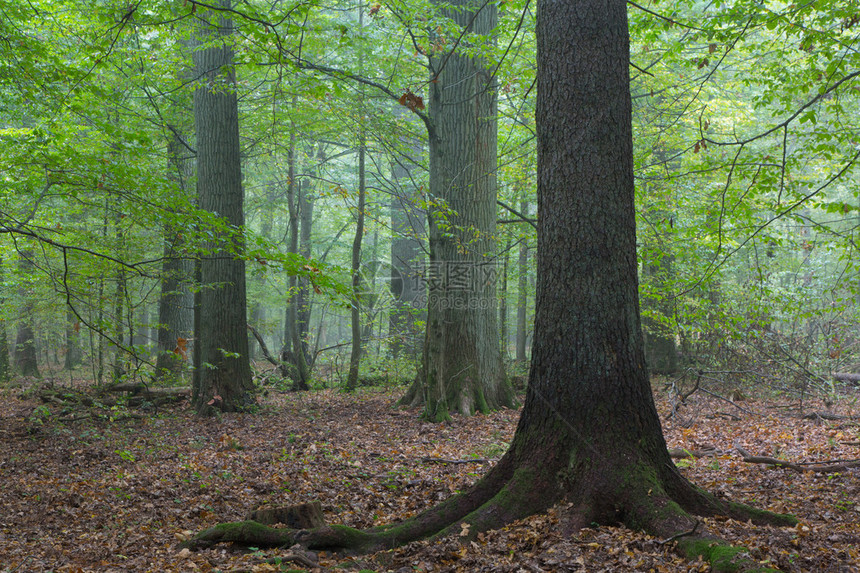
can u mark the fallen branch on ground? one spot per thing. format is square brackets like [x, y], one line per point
[680, 453]
[828, 416]
[139, 389]
[798, 467]
[445, 461]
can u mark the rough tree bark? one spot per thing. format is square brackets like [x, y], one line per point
[224, 381]
[462, 369]
[589, 433]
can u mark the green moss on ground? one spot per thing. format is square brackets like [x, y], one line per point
[723, 558]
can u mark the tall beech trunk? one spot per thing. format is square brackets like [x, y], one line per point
[462, 369]
[225, 377]
[589, 433]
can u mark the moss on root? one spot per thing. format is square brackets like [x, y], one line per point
[723, 558]
[762, 516]
[240, 532]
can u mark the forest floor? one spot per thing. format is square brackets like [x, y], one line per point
[119, 495]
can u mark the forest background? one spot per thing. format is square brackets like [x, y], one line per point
[746, 142]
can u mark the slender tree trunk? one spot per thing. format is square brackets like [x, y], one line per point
[503, 301]
[225, 378]
[295, 358]
[462, 369]
[26, 360]
[355, 311]
[5, 366]
[522, 294]
[303, 295]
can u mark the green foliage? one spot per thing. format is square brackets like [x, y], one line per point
[746, 167]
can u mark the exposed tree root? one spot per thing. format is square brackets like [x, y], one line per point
[662, 505]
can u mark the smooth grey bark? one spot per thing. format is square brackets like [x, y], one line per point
[258, 311]
[462, 370]
[225, 376]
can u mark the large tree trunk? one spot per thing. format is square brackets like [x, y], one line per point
[26, 361]
[589, 432]
[462, 369]
[225, 379]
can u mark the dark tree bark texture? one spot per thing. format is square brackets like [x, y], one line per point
[589, 433]
[225, 377]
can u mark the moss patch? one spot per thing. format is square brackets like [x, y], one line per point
[723, 558]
